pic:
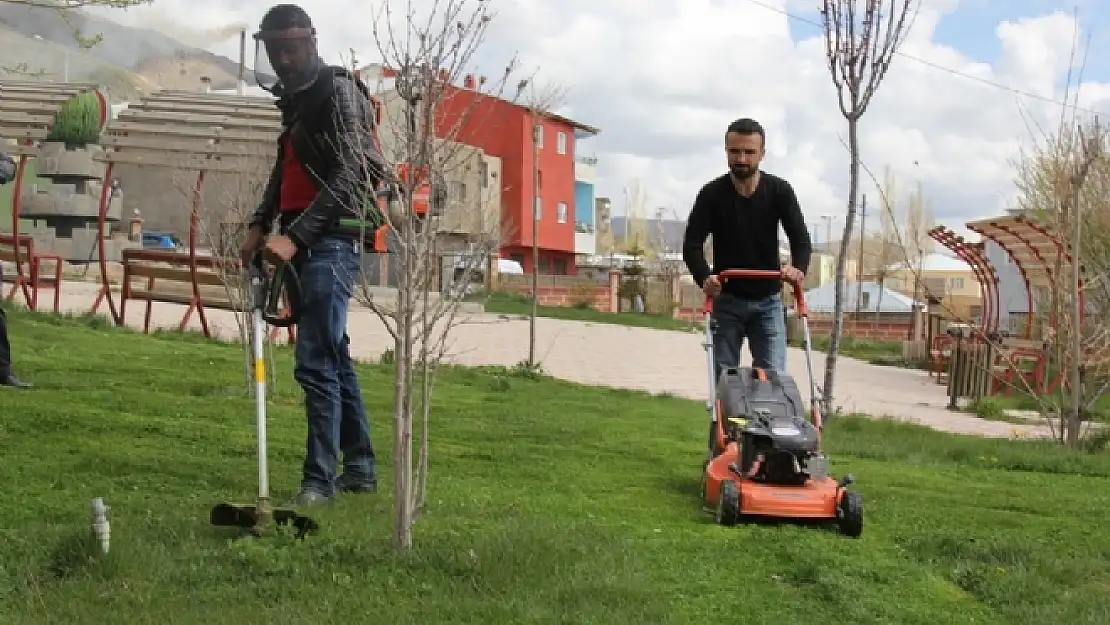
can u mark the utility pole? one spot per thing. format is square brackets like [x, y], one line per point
[859, 261]
[536, 130]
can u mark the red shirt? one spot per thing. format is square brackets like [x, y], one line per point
[297, 187]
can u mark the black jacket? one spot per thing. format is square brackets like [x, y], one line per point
[331, 127]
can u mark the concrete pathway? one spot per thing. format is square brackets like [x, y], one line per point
[620, 356]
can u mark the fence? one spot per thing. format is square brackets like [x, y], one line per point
[887, 327]
[595, 291]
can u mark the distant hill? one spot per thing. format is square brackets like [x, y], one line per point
[127, 63]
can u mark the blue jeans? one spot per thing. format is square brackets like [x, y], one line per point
[323, 367]
[761, 322]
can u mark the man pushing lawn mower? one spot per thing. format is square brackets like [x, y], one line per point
[742, 210]
[764, 458]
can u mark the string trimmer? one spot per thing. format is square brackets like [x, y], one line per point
[267, 290]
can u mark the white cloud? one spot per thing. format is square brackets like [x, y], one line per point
[662, 79]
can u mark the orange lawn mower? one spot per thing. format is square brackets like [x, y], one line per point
[765, 460]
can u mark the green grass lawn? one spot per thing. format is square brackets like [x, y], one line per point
[549, 503]
[515, 304]
[876, 352]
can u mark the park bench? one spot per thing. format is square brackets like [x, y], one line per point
[168, 276]
[22, 250]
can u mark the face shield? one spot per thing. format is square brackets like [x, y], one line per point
[285, 61]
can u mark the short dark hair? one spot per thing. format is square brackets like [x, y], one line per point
[747, 126]
[285, 17]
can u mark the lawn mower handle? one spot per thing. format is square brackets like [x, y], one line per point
[762, 274]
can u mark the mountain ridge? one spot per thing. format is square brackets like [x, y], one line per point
[128, 62]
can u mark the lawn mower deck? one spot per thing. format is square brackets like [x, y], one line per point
[765, 460]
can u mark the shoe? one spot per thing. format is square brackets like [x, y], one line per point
[14, 382]
[347, 484]
[308, 498]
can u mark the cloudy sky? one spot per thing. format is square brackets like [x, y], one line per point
[662, 79]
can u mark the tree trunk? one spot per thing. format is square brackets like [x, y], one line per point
[402, 537]
[1076, 362]
[838, 307]
[427, 324]
[402, 406]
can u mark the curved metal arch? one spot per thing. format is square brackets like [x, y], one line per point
[987, 234]
[981, 266]
[205, 135]
[42, 97]
[1063, 250]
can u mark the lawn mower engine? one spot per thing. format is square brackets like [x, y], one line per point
[764, 412]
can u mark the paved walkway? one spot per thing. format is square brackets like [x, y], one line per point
[620, 356]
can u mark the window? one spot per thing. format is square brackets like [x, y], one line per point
[561, 143]
[957, 283]
[483, 173]
[458, 191]
[537, 135]
[539, 208]
[561, 213]
[560, 267]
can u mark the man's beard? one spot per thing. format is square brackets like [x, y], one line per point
[743, 172]
[294, 81]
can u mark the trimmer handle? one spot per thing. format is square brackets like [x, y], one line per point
[762, 274]
[268, 289]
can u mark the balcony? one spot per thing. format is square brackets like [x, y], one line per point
[585, 169]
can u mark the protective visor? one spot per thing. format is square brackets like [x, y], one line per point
[285, 59]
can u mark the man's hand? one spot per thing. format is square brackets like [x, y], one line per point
[791, 273]
[255, 238]
[711, 286]
[281, 246]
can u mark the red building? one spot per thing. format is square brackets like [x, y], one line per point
[504, 129]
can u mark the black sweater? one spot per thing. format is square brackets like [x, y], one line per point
[745, 233]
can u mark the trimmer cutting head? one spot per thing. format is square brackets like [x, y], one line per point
[256, 520]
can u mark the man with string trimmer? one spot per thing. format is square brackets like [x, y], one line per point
[328, 163]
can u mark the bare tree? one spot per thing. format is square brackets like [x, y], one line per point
[1065, 184]
[635, 235]
[886, 247]
[861, 38]
[541, 102]
[426, 120]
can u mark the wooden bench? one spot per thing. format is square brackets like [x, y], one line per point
[169, 277]
[22, 251]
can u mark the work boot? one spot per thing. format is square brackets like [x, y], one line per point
[308, 498]
[347, 484]
[11, 380]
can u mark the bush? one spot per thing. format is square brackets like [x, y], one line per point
[77, 123]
